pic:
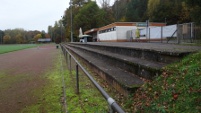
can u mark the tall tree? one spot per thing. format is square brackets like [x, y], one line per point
[14, 32]
[19, 39]
[50, 31]
[120, 9]
[1, 36]
[6, 39]
[136, 10]
[86, 17]
[36, 37]
[152, 5]
[166, 10]
[104, 17]
[104, 3]
[195, 9]
[43, 34]
[57, 32]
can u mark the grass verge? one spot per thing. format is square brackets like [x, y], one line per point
[51, 99]
[89, 99]
[10, 48]
[176, 90]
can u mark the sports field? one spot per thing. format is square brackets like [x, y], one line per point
[15, 47]
[25, 79]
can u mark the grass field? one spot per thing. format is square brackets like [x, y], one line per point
[15, 47]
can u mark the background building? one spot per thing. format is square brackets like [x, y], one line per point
[120, 31]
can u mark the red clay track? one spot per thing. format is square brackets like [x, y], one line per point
[22, 73]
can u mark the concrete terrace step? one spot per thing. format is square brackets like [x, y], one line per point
[125, 65]
[121, 80]
[144, 68]
[157, 52]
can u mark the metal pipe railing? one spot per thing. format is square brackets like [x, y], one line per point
[113, 105]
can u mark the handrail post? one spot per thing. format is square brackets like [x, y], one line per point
[64, 52]
[70, 65]
[66, 57]
[77, 79]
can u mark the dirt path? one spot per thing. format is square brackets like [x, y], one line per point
[22, 73]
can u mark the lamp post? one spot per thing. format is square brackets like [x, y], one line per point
[61, 28]
[71, 2]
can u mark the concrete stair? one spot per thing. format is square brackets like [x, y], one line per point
[124, 68]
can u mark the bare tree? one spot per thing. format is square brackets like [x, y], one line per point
[104, 3]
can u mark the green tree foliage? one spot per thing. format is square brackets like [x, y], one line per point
[78, 3]
[119, 9]
[13, 33]
[6, 39]
[1, 36]
[86, 16]
[50, 32]
[36, 37]
[170, 10]
[66, 20]
[195, 9]
[136, 10]
[194, 2]
[91, 16]
[43, 34]
[67, 23]
[104, 17]
[19, 35]
[19, 39]
[152, 6]
[185, 13]
[57, 32]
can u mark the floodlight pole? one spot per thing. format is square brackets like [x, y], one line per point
[61, 28]
[71, 20]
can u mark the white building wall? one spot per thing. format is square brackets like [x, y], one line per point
[122, 30]
[108, 36]
[119, 34]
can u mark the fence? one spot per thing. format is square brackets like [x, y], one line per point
[185, 33]
[114, 107]
[197, 34]
[181, 33]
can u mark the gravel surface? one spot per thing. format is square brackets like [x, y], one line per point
[21, 74]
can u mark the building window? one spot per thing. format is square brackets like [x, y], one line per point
[107, 30]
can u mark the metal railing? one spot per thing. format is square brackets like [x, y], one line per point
[114, 107]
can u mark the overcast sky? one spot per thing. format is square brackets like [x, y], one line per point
[31, 14]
